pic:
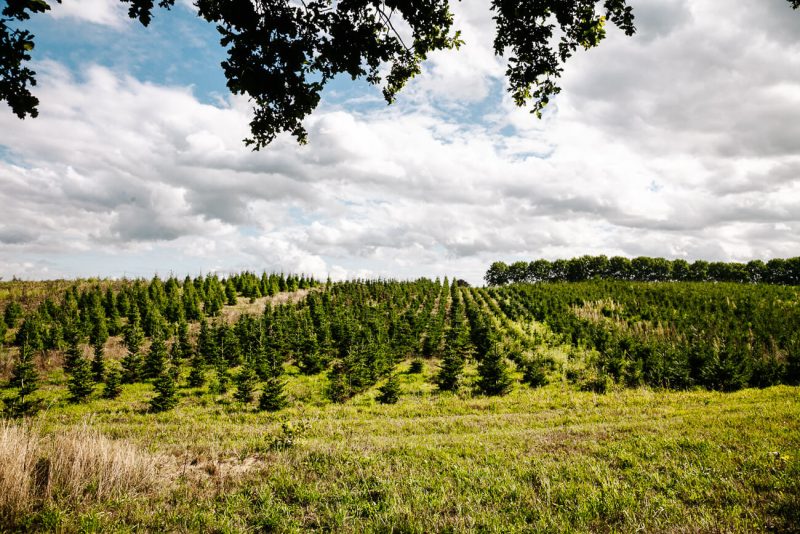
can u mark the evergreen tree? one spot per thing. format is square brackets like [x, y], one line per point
[219, 386]
[449, 376]
[390, 391]
[80, 383]
[25, 378]
[156, 358]
[197, 377]
[534, 373]
[186, 349]
[338, 385]
[272, 397]
[133, 336]
[206, 343]
[3, 330]
[166, 392]
[245, 384]
[493, 372]
[132, 367]
[98, 363]
[230, 292]
[74, 351]
[416, 366]
[113, 385]
[12, 312]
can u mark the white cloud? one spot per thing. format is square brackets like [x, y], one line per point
[104, 12]
[680, 142]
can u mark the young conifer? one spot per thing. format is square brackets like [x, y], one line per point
[156, 358]
[390, 391]
[166, 391]
[494, 375]
[113, 386]
[80, 383]
[25, 378]
[272, 397]
[449, 375]
[98, 363]
[245, 384]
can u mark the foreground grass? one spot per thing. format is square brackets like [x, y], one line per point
[551, 459]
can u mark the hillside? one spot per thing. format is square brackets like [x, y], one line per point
[602, 406]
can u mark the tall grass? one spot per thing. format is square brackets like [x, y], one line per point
[76, 468]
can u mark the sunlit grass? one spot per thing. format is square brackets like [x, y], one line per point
[549, 459]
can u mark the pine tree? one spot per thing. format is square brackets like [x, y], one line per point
[166, 392]
[80, 384]
[272, 397]
[98, 363]
[133, 336]
[245, 384]
[494, 375]
[156, 358]
[113, 385]
[390, 391]
[230, 292]
[197, 375]
[338, 385]
[449, 376]
[132, 367]
[416, 366]
[74, 351]
[25, 378]
[184, 343]
[534, 373]
[219, 386]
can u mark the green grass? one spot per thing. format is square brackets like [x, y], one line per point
[547, 460]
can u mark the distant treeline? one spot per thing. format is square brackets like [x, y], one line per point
[644, 269]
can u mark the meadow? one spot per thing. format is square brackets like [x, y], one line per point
[545, 429]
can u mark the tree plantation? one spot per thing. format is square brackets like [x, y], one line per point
[281, 402]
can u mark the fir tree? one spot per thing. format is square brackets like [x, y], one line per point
[98, 363]
[25, 378]
[184, 343]
[230, 292]
[113, 386]
[416, 366]
[245, 384]
[390, 391]
[197, 377]
[74, 351]
[80, 383]
[493, 371]
[132, 367]
[338, 385]
[449, 375]
[156, 358]
[3, 330]
[534, 373]
[133, 335]
[166, 392]
[219, 386]
[272, 397]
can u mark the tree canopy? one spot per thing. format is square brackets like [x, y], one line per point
[281, 53]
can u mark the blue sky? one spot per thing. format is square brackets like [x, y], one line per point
[679, 142]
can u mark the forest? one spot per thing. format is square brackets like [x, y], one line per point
[211, 350]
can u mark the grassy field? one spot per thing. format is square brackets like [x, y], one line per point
[552, 459]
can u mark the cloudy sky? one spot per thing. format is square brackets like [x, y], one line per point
[682, 142]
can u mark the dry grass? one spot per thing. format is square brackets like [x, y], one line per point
[78, 467]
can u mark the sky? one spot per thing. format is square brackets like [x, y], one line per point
[680, 142]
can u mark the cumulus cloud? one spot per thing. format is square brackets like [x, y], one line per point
[679, 142]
